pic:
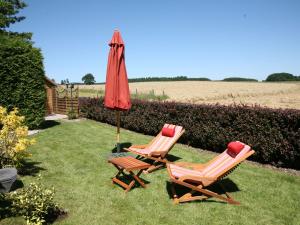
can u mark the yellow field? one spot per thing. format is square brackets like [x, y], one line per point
[275, 95]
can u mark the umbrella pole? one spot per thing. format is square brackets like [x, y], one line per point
[118, 130]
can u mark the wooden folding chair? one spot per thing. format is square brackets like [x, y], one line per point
[198, 177]
[157, 149]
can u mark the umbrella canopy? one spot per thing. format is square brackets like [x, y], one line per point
[117, 95]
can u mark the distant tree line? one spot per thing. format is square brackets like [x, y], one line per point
[90, 79]
[232, 79]
[177, 78]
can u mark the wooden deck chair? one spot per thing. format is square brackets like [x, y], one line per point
[159, 147]
[198, 177]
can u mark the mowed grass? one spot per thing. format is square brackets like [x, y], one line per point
[72, 157]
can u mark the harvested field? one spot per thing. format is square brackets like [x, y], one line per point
[274, 95]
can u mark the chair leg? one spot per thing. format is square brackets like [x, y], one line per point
[159, 163]
[186, 197]
[207, 193]
[153, 167]
[191, 198]
[228, 196]
[175, 196]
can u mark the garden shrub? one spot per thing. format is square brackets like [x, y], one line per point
[273, 133]
[13, 141]
[72, 114]
[22, 79]
[35, 203]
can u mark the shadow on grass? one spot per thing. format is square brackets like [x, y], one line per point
[30, 168]
[172, 158]
[5, 204]
[55, 216]
[48, 124]
[220, 187]
[122, 145]
[5, 207]
[17, 185]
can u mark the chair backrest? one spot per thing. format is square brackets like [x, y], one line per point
[223, 163]
[163, 143]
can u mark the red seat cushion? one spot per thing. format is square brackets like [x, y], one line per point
[234, 148]
[167, 131]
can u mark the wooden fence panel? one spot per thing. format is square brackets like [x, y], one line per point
[66, 101]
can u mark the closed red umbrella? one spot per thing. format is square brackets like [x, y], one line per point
[117, 95]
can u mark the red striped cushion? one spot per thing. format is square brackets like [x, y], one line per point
[168, 130]
[234, 148]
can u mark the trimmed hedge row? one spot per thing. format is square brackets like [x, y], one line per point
[273, 133]
[22, 79]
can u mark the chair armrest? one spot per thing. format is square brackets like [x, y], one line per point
[138, 146]
[195, 166]
[203, 180]
[157, 152]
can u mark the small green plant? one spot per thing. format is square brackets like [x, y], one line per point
[34, 203]
[72, 114]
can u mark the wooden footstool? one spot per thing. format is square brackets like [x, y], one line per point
[128, 164]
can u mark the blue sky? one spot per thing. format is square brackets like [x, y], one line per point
[214, 39]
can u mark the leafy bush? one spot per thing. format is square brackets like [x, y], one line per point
[282, 77]
[13, 141]
[273, 133]
[239, 79]
[22, 79]
[72, 114]
[35, 203]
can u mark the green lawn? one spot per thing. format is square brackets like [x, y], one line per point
[72, 157]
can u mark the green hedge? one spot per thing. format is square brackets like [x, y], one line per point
[273, 133]
[22, 79]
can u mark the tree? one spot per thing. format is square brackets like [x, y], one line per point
[66, 81]
[88, 79]
[8, 15]
[282, 77]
